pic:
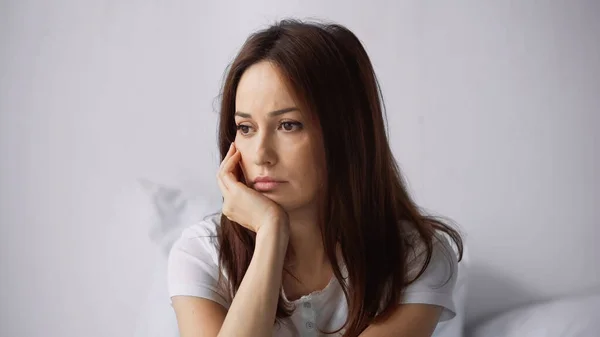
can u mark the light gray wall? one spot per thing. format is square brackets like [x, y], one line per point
[493, 112]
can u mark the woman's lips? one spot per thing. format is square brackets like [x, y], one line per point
[266, 186]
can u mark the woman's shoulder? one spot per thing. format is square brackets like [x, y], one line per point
[193, 267]
[442, 248]
[200, 238]
[433, 280]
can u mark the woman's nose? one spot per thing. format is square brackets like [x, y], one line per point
[265, 153]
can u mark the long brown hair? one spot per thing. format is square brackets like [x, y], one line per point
[366, 197]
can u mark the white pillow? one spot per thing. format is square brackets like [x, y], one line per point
[174, 210]
[577, 316]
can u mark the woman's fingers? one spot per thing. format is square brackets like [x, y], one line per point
[231, 162]
[226, 176]
[225, 181]
[227, 155]
[221, 172]
[222, 185]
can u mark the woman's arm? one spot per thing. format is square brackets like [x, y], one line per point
[252, 312]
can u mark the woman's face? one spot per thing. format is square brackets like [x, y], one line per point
[277, 141]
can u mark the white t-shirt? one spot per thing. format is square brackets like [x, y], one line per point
[193, 271]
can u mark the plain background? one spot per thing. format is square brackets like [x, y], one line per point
[493, 111]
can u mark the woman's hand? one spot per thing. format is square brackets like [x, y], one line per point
[242, 204]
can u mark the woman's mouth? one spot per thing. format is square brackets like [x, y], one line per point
[266, 186]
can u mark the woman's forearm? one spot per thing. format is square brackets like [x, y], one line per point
[252, 312]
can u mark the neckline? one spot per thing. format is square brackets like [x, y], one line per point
[319, 293]
[312, 295]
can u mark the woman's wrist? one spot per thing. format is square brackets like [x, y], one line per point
[275, 230]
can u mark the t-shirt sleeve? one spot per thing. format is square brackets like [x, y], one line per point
[436, 284]
[193, 266]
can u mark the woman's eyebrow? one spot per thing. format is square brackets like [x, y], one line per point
[271, 114]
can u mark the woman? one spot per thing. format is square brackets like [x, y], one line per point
[317, 232]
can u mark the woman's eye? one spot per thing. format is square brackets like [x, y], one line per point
[286, 126]
[289, 126]
[244, 129]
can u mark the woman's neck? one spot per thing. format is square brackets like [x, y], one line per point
[308, 252]
[308, 263]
